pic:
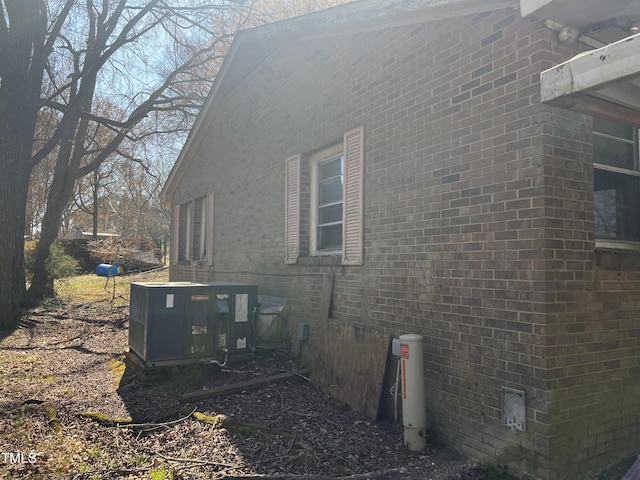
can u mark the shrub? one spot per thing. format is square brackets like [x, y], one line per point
[59, 263]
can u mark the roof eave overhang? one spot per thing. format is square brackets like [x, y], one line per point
[604, 82]
[371, 15]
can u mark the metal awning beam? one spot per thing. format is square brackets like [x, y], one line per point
[603, 82]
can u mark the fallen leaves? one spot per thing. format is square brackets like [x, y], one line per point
[87, 414]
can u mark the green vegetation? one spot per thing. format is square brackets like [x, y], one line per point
[51, 414]
[244, 429]
[161, 474]
[59, 264]
[139, 460]
[105, 420]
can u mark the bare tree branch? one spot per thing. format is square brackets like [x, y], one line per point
[88, 74]
[54, 31]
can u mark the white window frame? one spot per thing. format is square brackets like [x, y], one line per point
[635, 172]
[327, 154]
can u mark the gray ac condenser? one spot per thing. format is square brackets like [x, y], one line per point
[179, 323]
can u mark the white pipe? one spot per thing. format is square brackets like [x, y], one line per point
[414, 413]
[223, 364]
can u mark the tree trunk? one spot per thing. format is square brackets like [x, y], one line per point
[41, 282]
[15, 156]
[96, 210]
[13, 190]
[59, 195]
[21, 67]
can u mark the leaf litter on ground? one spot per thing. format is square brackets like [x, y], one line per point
[68, 360]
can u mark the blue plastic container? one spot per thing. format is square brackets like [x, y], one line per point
[106, 270]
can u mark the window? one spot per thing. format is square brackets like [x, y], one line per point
[616, 181]
[196, 228]
[199, 228]
[193, 230]
[326, 203]
[324, 197]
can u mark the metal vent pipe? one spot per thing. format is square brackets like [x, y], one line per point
[414, 416]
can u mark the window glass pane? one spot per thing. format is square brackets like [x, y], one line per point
[615, 153]
[330, 238]
[331, 191]
[329, 208]
[330, 169]
[614, 129]
[330, 214]
[617, 206]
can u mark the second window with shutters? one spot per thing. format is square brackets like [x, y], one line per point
[331, 205]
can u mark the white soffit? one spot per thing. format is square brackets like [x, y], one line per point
[580, 12]
[603, 82]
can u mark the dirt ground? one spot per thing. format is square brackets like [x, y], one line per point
[64, 362]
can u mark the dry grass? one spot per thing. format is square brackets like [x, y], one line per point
[66, 356]
[102, 292]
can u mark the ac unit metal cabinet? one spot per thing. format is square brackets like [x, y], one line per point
[177, 323]
[235, 306]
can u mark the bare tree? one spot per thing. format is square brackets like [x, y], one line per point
[55, 57]
[89, 190]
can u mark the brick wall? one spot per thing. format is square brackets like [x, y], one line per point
[593, 314]
[478, 228]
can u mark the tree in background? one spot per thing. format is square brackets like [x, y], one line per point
[90, 189]
[121, 196]
[58, 58]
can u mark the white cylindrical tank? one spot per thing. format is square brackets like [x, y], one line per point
[414, 416]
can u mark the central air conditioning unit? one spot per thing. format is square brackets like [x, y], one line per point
[181, 323]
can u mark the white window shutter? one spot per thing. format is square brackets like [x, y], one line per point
[175, 250]
[209, 233]
[292, 210]
[353, 208]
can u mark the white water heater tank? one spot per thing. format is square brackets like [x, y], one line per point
[414, 415]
